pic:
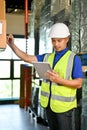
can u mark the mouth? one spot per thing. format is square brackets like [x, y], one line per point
[56, 47]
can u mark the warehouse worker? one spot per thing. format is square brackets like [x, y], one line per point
[58, 94]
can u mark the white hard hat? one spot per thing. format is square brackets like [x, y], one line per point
[59, 30]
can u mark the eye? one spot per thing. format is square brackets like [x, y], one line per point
[59, 40]
[53, 40]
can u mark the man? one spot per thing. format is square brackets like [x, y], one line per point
[58, 94]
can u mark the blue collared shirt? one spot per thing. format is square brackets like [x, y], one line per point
[77, 66]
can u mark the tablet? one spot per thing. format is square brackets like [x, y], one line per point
[42, 68]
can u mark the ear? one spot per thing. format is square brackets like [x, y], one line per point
[67, 39]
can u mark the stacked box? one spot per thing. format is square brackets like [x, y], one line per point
[2, 25]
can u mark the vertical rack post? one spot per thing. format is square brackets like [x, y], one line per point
[26, 22]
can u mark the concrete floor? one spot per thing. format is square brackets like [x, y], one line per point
[12, 117]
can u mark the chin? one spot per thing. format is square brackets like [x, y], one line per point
[58, 50]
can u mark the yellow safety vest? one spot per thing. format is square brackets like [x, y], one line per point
[62, 98]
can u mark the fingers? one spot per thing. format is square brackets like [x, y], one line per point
[10, 39]
[51, 73]
[10, 36]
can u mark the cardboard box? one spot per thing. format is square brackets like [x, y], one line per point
[3, 34]
[2, 25]
[2, 8]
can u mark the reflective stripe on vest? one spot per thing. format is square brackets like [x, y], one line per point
[46, 57]
[44, 94]
[61, 98]
[69, 66]
[65, 99]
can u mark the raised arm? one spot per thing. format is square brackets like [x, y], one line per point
[18, 52]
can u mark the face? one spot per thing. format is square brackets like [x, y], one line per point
[60, 44]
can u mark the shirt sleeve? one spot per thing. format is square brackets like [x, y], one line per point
[40, 57]
[77, 68]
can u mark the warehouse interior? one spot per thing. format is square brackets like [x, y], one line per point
[30, 21]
